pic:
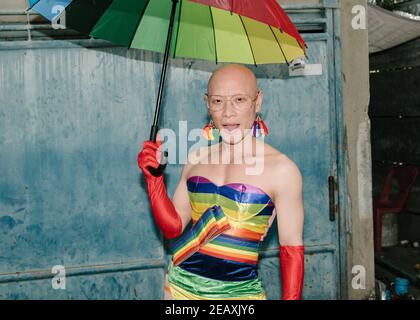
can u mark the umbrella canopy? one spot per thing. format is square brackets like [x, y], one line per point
[246, 31]
[240, 31]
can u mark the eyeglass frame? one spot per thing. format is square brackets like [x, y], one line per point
[207, 96]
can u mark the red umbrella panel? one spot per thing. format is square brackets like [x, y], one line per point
[266, 11]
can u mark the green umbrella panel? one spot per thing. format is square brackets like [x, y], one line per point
[199, 32]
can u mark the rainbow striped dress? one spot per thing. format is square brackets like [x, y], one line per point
[217, 258]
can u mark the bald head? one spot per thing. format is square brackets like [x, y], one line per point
[235, 117]
[232, 79]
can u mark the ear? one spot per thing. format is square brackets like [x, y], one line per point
[259, 101]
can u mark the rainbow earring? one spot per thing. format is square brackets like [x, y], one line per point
[259, 129]
[208, 131]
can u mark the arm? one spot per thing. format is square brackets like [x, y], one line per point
[290, 218]
[180, 198]
[164, 210]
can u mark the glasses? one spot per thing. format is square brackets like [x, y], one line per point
[240, 102]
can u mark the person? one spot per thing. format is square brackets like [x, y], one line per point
[231, 208]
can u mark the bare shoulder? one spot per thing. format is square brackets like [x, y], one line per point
[282, 170]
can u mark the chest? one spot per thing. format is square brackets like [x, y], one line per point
[250, 174]
[246, 206]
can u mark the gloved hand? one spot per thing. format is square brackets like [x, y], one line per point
[292, 271]
[163, 209]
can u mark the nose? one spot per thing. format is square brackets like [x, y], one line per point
[228, 108]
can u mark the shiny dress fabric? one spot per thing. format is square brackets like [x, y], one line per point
[224, 265]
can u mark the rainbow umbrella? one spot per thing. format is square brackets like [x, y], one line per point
[237, 31]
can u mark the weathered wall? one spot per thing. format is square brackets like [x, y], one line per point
[13, 4]
[357, 140]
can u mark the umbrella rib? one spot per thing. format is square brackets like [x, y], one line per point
[304, 51]
[177, 28]
[281, 49]
[249, 41]
[214, 34]
[138, 23]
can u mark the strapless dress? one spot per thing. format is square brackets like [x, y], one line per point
[217, 258]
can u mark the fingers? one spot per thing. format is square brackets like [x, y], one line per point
[151, 145]
[150, 155]
[157, 154]
[149, 163]
[149, 158]
[149, 152]
[145, 163]
[157, 144]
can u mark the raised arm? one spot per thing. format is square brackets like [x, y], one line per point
[290, 218]
[170, 216]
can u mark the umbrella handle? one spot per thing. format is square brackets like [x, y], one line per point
[159, 170]
[153, 132]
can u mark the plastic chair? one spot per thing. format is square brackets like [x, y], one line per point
[405, 177]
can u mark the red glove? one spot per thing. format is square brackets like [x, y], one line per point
[163, 209]
[292, 270]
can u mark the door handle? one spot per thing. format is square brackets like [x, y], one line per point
[331, 193]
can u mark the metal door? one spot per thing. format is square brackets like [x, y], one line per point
[304, 117]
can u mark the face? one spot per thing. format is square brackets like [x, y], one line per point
[233, 118]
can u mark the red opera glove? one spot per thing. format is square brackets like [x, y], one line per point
[163, 209]
[292, 270]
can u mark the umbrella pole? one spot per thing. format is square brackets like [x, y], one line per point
[153, 131]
